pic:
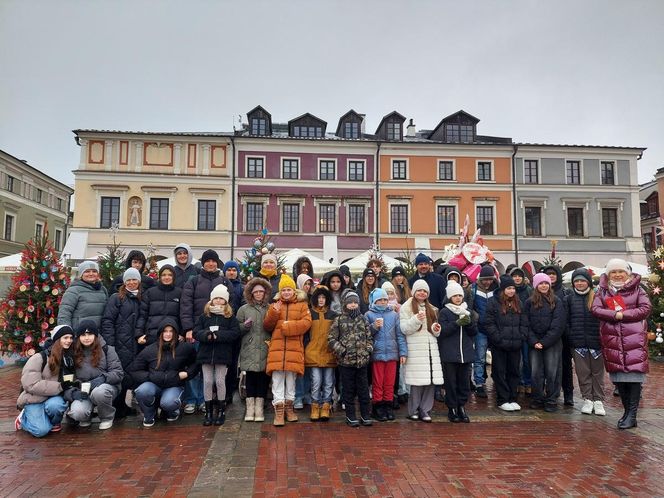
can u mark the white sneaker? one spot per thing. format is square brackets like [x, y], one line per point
[515, 406]
[506, 407]
[105, 424]
[190, 408]
[599, 408]
[85, 423]
[587, 407]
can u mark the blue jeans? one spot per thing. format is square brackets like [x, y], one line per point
[193, 388]
[481, 345]
[149, 396]
[39, 418]
[526, 376]
[322, 383]
[303, 387]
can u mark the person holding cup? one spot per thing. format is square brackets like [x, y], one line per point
[45, 378]
[419, 322]
[99, 370]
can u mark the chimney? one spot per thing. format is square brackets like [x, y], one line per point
[410, 129]
[362, 131]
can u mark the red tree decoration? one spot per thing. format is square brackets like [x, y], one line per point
[31, 305]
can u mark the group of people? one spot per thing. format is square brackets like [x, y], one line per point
[183, 343]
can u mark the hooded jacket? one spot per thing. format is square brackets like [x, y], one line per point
[624, 342]
[216, 346]
[336, 296]
[505, 331]
[81, 301]
[288, 326]
[184, 273]
[196, 294]
[350, 340]
[146, 282]
[255, 339]
[118, 326]
[389, 343]
[317, 352]
[145, 369]
[157, 303]
[298, 265]
[423, 365]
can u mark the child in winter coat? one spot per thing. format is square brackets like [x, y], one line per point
[583, 337]
[389, 347]
[216, 330]
[350, 340]
[318, 358]
[456, 343]
[546, 322]
[418, 320]
[254, 346]
[392, 298]
[288, 319]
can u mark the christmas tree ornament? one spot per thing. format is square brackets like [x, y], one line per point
[51, 321]
[46, 288]
[23, 288]
[11, 303]
[270, 246]
[31, 309]
[257, 243]
[659, 339]
[264, 250]
[28, 339]
[651, 336]
[44, 264]
[55, 292]
[654, 278]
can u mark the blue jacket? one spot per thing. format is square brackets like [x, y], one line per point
[478, 302]
[389, 342]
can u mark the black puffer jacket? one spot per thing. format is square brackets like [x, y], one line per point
[145, 369]
[506, 332]
[582, 325]
[118, 325]
[545, 325]
[219, 350]
[157, 303]
[456, 343]
[196, 294]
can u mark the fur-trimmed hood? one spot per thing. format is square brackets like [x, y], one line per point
[300, 296]
[249, 288]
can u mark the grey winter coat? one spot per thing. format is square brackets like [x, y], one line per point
[82, 301]
[109, 368]
[254, 348]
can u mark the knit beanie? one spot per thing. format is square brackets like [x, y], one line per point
[617, 264]
[87, 326]
[60, 331]
[538, 278]
[220, 291]
[368, 271]
[422, 258]
[420, 284]
[506, 281]
[398, 270]
[387, 286]
[87, 265]
[285, 282]
[487, 272]
[208, 255]
[131, 274]
[302, 279]
[582, 274]
[349, 296]
[231, 264]
[517, 271]
[269, 257]
[453, 289]
[377, 294]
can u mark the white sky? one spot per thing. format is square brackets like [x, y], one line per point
[567, 71]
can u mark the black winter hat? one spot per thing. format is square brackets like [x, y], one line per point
[582, 274]
[398, 270]
[210, 254]
[368, 271]
[517, 270]
[487, 272]
[506, 281]
[87, 326]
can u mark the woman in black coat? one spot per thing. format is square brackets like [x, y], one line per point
[157, 303]
[507, 328]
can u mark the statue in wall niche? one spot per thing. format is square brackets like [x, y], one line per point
[135, 211]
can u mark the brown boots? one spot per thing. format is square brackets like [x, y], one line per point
[279, 415]
[325, 412]
[290, 413]
[315, 412]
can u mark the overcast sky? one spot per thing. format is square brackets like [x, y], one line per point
[575, 72]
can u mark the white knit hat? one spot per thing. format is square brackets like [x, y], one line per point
[454, 289]
[220, 291]
[387, 286]
[420, 284]
[617, 264]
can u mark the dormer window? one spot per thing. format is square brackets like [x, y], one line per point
[352, 130]
[456, 133]
[307, 126]
[350, 125]
[391, 127]
[456, 128]
[259, 126]
[260, 122]
[307, 131]
[394, 131]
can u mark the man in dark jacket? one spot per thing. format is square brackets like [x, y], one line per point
[135, 259]
[184, 268]
[435, 282]
[567, 381]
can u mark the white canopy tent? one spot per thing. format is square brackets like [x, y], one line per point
[359, 262]
[320, 265]
[10, 263]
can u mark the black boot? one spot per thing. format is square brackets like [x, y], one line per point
[388, 410]
[634, 398]
[623, 391]
[221, 413]
[463, 416]
[207, 421]
[452, 415]
[381, 412]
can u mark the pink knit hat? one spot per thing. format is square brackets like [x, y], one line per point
[538, 278]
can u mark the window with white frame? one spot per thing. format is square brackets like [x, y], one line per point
[399, 218]
[255, 167]
[327, 218]
[399, 170]
[58, 239]
[254, 216]
[446, 220]
[609, 222]
[533, 219]
[484, 171]
[356, 171]
[158, 214]
[290, 215]
[356, 218]
[530, 171]
[575, 222]
[207, 215]
[484, 217]
[573, 172]
[10, 225]
[327, 170]
[110, 211]
[290, 169]
[446, 171]
[607, 173]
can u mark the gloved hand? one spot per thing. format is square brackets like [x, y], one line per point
[97, 381]
[67, 384]
[464, 320]
[78, 395]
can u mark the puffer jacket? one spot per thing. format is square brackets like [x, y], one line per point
[118, 326]
[389, 343]
[145, 369]
[456, 343]
[109, 366]
[288, 326]
[624, 342]
[255, 339]
[423, 365]
[219, 350]
[38, 382]
[318, 353]
[524, 292]
[189, 271]
[350, 341]
[82, 301]
[582, 325]
[505, 331]
[157, 303]
[545, 325]
[196, 294]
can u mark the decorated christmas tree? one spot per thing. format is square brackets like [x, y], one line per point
[375, 255]
[252, 256]
[30, 308]
[655, 287]
[112, 262]
[152, 268]
[553, 259]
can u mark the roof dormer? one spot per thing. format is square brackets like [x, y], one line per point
[391, 127]
[351, 125]
[459, 127]
[307, 126]
[260, 122]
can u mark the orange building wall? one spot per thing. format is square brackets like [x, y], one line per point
[424, 169]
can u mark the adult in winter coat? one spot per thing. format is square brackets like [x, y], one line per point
[160, 372]
[623, 308]
[269, 270]
[118, 329]
[288, 319]
[185, 270]
[99, 370]
[435, 282]
[556, 275]
[84, 299]
[456, 344]
[157, 303]
[254, 346]
[583, 337]
[44, 379]
[546, 323]
[135, 259]
[507, 328]
[419, 322]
